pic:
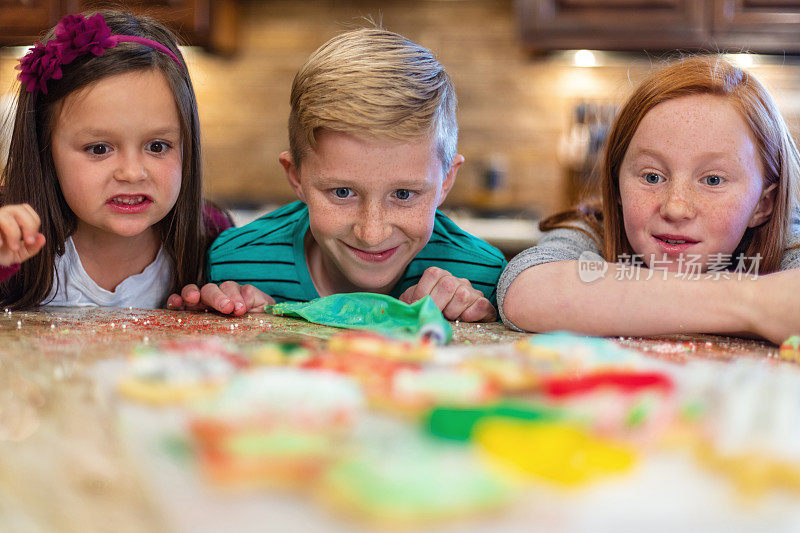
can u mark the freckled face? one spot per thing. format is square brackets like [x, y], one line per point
[371, 205]
[691, 182]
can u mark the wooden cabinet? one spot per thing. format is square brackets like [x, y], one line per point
[611, 24]
[208, 23]
[758, 25]
[716, 25]
[21, 21]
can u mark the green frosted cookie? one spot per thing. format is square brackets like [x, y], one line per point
[414, 484]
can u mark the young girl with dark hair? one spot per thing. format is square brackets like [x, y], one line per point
[102, 190]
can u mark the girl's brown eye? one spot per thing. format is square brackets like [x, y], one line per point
[98, 149]
[157, 147]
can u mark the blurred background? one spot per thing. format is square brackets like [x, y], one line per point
[538, 82]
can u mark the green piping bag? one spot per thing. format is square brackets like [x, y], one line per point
[376, 312]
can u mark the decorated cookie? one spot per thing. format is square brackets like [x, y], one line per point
[416, 390]
[751, 428]
[457, 423]
[511, 373]
[557, 452]
[293, 396]
[372, 344]
[275, 426]
[177, 372]
[280, 353]
[413, 484]
[630, 404]
[567, 353]
[790, 349]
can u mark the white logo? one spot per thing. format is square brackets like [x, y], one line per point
[591, 267]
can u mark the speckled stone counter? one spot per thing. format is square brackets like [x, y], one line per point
[62, 465]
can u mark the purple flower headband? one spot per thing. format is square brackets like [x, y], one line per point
[75, 35]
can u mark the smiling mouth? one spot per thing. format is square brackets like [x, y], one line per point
[373, 257]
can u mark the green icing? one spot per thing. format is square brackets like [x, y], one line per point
[375, 312]
[693, 410]
[277, 442]
[638, 414]
[177, 447]
[457, 423]
[419, 485]
[793, 341]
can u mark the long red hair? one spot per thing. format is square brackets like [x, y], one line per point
[697, 75]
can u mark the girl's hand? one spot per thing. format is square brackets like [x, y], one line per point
[19, 234]
[456, 297]
[227, 298]
[774, 306]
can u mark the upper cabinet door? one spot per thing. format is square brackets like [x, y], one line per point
[757, 25]
[613, 24]
[208, 23]
[22, 21]
[190, 19]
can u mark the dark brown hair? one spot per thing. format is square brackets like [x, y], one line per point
[697, 75]
[30, 176]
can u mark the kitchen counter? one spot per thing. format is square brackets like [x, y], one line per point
[63, 465]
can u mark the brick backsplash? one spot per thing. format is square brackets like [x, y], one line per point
[511, 105]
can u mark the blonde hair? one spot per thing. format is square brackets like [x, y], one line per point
[376, 83]
[697, 75]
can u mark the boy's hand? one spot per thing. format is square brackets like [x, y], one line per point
[19, 234]
[228, 298]
[456, 297]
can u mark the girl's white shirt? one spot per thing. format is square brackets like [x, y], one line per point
[148, 290]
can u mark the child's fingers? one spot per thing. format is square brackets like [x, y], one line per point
[10, 232]
[190, 294]
[462, 298]
[28, 222]
[481, 310]
[234, 292]
[444, 290]
[32, 248]
[175, 302]
[408, 295]
[255, 299]
[427, 282]
[34, 215]
[212, 296]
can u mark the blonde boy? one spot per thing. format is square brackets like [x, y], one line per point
[372, 134]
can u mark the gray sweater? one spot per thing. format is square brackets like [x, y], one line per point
[566, 244]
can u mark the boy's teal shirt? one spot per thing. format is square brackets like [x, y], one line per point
[269, 254]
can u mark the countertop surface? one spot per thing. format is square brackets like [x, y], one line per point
[63, 466]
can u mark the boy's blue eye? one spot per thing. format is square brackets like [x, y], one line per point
[342, 192]
[652, 178]
[402, 194]
[713, 180]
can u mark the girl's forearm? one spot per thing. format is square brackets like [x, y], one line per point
[628, 300]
